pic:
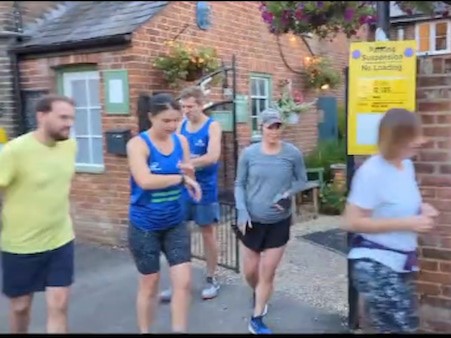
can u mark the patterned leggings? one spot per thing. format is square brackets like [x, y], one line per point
[389, 297]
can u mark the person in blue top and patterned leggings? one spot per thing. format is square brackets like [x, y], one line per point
[156, 212]
[204, 138]
[385, 213]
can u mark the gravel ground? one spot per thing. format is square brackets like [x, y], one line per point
[308, 272]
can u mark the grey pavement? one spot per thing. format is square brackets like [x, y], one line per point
[103, 301]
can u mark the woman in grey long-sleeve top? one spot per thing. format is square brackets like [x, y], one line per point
[269, 174]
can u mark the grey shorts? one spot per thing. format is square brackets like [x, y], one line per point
[146, 247]
[389, 297]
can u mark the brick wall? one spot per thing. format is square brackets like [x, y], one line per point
[434, 173]
[30, 10]
[100, 202]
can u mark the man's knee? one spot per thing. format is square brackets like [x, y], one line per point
[21, 305]
[57, 299]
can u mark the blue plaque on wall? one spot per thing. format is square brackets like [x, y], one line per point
[203, 15]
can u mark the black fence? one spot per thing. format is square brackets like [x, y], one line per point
[228, 243]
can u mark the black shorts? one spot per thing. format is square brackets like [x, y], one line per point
[24, 274]
[267, 236]
[147, 245]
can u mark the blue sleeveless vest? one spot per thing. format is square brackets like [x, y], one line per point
[206, 176]
[161, 208]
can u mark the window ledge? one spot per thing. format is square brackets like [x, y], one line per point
[432, 53]
[89, 169]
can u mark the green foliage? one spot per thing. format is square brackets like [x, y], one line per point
[341, 112]
[325, 154]
[333, 199]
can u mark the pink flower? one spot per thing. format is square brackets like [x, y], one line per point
[298, 98]
[298, 14]
[268, 17]
[349, 14]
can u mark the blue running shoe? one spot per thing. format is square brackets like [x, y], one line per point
[256, 326]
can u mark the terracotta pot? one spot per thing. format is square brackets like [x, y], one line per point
[339, 174]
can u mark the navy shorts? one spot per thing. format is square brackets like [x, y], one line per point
[202, 214]
[146, 247]
[24, 274]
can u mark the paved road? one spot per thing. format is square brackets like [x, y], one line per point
[104, 295]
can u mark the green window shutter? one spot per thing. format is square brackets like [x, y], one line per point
[117, 94]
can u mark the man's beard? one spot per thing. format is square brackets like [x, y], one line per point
[59, 137]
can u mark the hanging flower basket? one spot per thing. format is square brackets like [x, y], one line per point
[291, 107]
[320, 74]
[327, 18]
[181, 63]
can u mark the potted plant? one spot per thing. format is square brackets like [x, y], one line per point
[291, 106]
[327, 18]
[181, 63]
[319, 74]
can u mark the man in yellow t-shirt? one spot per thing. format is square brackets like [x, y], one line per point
[36, 170]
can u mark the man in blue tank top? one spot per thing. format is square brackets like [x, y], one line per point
[204, 138]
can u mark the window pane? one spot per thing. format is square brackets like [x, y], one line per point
[441, 33]
[263, 104]
[254, 87]
[81, 122]
[96, 122]
[254, 124]
[94, 92]
[254, 110]
[83, 151]
[423, 37]
[79, 92]
[263, 87]
[97, 150]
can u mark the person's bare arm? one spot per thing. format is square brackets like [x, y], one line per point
[357, 219]
[138, 153]
[8, 166]
[186, 167]
[214, 147]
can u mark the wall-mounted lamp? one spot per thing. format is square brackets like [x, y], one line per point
[325, 86]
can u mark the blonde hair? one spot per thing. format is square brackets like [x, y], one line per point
[195, 92]
[397, 128]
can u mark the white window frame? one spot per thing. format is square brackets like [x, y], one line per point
[432, 36]
[67, 90]
[400, 33]
[267, 97]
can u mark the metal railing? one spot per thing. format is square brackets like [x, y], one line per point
[228, 243]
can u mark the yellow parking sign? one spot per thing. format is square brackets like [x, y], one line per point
[3, 137]
[382, 75]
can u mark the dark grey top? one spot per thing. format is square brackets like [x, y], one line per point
[261, 177]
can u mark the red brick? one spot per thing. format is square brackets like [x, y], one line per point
[432, 289]
[435, 180]
[436, 131]
[425, 168]
[427, 265]
[440, 254]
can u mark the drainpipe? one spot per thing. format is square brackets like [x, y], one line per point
[15, 69]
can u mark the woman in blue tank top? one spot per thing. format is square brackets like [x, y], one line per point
[156, 214]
